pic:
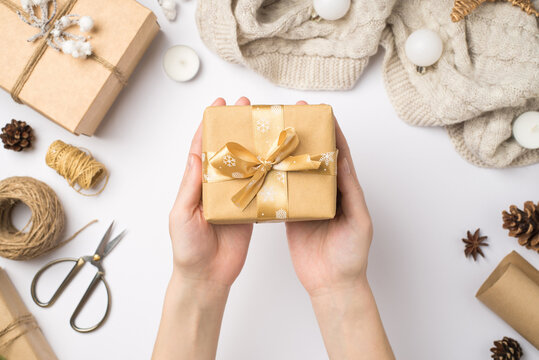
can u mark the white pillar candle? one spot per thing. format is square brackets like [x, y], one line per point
[526, 130]
[423, 47]
[331, 9]
[181, 63]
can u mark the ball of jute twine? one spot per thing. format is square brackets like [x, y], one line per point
[42, 233]
[77, 167]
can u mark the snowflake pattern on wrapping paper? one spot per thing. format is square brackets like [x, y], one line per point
[276, 109]
[237, 175]
[267, 194]
[262, 125]
[281, 176]
[229, 161]
[327, 158]
[281, 214]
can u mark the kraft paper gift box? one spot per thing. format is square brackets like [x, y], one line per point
[21, 338]
[76, 93]
[269, 163]
[512, 292]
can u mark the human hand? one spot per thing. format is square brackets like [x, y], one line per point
[207, 260]
[212, 254]
[330, 259]
[331, 255]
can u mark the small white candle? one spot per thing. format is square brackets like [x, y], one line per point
[331, 9]
[526, 130]
[181, 63]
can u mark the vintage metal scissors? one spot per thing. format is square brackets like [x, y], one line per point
[104, 248]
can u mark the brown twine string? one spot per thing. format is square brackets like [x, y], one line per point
[46, 223]
[40, 50]
[77, 167]
[21, 320]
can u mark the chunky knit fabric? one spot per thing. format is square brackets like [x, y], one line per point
[488, 74]
[284, 41]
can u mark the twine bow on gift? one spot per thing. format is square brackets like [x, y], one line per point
[267, 173]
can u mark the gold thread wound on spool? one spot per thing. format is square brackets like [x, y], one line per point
[77, 167]
[46, 223]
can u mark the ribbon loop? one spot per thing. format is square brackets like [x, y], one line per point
[235, 161]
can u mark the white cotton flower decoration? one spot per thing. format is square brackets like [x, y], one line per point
[64, 22]
[169, 9]
[56, 32]
[77, 48]
[86, 23]
[26, 4]
[68, 46]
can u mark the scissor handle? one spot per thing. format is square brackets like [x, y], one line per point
[95, 281]
[79, 263]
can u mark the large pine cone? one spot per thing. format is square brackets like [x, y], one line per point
[506, 349]
[523, 224]
[17, 135]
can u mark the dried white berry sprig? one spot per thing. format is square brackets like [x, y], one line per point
[169, 9]
[59, 39]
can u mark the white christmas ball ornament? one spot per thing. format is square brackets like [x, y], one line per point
[86, 23]
[331, 9]
[423, 47]
[526, 130]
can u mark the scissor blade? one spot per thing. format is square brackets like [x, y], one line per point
[112, 244]
[103, 243]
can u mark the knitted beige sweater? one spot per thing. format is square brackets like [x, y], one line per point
[285, 42]
[488, 74]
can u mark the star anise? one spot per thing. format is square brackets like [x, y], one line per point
[473, 244]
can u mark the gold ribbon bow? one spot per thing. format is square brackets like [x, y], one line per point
[267, 174]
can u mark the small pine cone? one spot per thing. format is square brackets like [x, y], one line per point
[506, 349]
[17, 135]
[523, 224]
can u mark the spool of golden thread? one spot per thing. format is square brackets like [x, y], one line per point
[43, 231]
[78, 167]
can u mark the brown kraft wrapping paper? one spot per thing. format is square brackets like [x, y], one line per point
[311, 196]
[77, 93]
[25, 341]
[512, 292]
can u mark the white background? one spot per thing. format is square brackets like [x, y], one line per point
[422, 196]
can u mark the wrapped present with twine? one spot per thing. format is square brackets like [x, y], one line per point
[269, 163]
[20, 336]
[69, 59]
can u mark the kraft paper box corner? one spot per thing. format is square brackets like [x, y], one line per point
[512, 292]
[76, 93]
[25, 340]
[306, 195]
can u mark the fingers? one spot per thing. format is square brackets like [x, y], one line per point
[190, 191]
[301, 102]
[352, 201]
[219, 102]
[243, 101]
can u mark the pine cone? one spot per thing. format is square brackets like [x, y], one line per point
[506, 349]
[17, 135]
[523, 224]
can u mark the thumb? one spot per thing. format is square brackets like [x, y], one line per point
[190, 191]
[352, 201]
